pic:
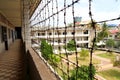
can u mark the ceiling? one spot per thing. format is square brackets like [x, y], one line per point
[11, 9]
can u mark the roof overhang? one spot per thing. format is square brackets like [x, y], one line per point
[12, 10]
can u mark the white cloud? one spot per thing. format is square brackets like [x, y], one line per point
[81, 10]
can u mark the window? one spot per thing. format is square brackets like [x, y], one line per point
[86, 32]
[86, 38]
[38, 34]
[86, 45]
[50, 33]
[77, 39]
[73, 33]
[116, 36]
[64, 33]
[3, 34]
[110, 35]
[43, 34]
[59, 41]
[82, 25]
[78, 46]
[9, 32]
[64, 40]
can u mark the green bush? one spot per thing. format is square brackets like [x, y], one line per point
[84, 53]
[46, 49]
[83, 73]
[71, 45]
[54, 60]
[116, 63]
[47, 53]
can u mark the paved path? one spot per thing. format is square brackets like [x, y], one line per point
[105, 63]
[12, 65]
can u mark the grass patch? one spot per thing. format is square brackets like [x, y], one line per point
[107, 55]
[81, 61]
[72, 58]
[110, 74]
[85, 61]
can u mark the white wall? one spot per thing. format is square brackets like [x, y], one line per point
[9, 38]
[2, 47]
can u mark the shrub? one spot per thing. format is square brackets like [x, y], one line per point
[83, 73]
[54, 60]
[116, 63]
[84, 53]
[71, 45]
[46, 49]
[47, 53]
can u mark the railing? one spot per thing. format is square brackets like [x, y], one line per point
[51, 15]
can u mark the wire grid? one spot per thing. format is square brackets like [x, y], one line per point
[48, 20]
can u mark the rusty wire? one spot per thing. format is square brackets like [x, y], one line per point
[45, 19]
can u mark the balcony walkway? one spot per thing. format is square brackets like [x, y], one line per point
[12, 63]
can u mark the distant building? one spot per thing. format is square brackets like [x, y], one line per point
[113, 34]
[78, 19]
[83, 35]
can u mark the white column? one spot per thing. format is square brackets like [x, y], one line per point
[26, 25]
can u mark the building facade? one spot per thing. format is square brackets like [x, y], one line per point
[58, 37]
[7, 34]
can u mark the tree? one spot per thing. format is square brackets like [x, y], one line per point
[71, 45]
[118, 35]
[83, 73]
[70, 24]
[104, 33]
[55, 60]
[46, 49]
[118, 44]
[84, 53]
[47, 53]
[110, 43]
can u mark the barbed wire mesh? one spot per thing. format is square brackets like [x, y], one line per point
[55, 22]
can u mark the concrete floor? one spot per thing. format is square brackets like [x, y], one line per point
[12, 63]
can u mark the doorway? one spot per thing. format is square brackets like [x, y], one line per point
[18, 31]
[4, 34]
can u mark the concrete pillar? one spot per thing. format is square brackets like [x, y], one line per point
[26, 25]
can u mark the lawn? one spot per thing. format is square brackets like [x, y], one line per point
[85, 61]
[72, 58]
[107, 55]
[111, 74]
[63, 65]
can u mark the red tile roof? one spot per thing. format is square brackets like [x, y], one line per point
[114, 31]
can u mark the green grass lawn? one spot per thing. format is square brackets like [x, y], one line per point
[107, 55]
[110, 74]
[85, 61]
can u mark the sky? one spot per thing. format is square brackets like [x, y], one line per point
[101, 10]
[109, 9]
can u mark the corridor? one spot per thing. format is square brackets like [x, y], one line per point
[12, 62]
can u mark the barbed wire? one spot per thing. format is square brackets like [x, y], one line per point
[94, 40]
[45, 19]
[54, 13]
